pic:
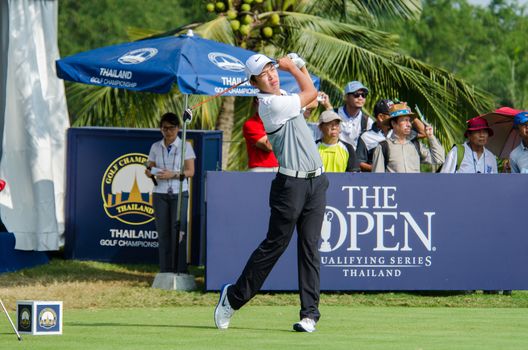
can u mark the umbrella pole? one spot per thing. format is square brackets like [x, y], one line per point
[180, 235]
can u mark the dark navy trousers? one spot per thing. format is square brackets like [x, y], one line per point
[165, 214]
[295, 203]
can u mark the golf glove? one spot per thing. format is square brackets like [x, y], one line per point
[299, 62]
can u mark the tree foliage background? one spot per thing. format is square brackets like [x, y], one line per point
[406, 56]
[486, 46]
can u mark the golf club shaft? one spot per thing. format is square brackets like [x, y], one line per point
[218, 94]
[9, 318]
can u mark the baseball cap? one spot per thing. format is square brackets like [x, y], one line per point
[354, 86]
[328, 116]
[256, 63]
[383, 107]
[520, 118]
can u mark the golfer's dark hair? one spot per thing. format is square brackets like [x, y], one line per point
[170, 118]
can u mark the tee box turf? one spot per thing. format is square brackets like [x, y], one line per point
[39, 317]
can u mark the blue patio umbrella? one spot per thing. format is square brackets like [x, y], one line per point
[197, 66]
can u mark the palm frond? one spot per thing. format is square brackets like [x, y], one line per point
[244, 108]
[218, 29]
[340, 52]
[360, 11]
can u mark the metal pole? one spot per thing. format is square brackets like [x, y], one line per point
[186, 118]
[9, 318]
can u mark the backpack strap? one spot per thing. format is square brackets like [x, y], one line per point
[460, 154]
[385, 151]
[364, 121]
[416, 144]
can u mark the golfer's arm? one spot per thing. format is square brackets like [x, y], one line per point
[308, 92]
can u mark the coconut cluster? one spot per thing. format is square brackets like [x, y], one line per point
[245, 19]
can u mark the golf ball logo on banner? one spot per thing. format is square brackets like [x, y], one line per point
[138, 56]
[229, 63]
[226, 62]
[126, 191]
[373, 236]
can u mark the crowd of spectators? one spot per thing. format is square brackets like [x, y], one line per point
[394, 140]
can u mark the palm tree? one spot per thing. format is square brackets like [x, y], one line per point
[340, 42]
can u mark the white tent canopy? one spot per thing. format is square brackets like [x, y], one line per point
[35, 121]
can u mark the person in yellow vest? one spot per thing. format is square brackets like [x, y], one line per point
[337, 155]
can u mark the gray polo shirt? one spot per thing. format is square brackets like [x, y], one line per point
[288, 133]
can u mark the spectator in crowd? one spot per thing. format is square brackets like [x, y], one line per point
[260, 154]
[337, 156]
[369, 140]
[519, 156]
[401, 152]
[355, 119]
[164, 163]
[472, 156]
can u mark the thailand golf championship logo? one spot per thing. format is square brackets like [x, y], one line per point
[138, 56]
[226, 62]
[373, 236]
[47, 318]
[126, 191]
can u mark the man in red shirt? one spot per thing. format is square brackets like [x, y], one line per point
[260, 154]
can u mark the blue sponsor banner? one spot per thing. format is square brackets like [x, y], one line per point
[382, 231]
[109, 199]
[109, 214]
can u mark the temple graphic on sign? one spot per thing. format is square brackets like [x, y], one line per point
[134, 196]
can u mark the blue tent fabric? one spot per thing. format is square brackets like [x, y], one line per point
[12, 259]
[198, 66]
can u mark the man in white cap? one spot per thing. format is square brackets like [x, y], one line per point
[355, 119]
[297, 195]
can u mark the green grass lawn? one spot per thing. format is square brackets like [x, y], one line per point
[111, 306]
[269, 327]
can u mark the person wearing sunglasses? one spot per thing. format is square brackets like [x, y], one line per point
[355, 119]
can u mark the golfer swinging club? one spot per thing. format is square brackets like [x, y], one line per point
[297, 195]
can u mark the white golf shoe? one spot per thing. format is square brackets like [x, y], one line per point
[223, 310]
[305, 325]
